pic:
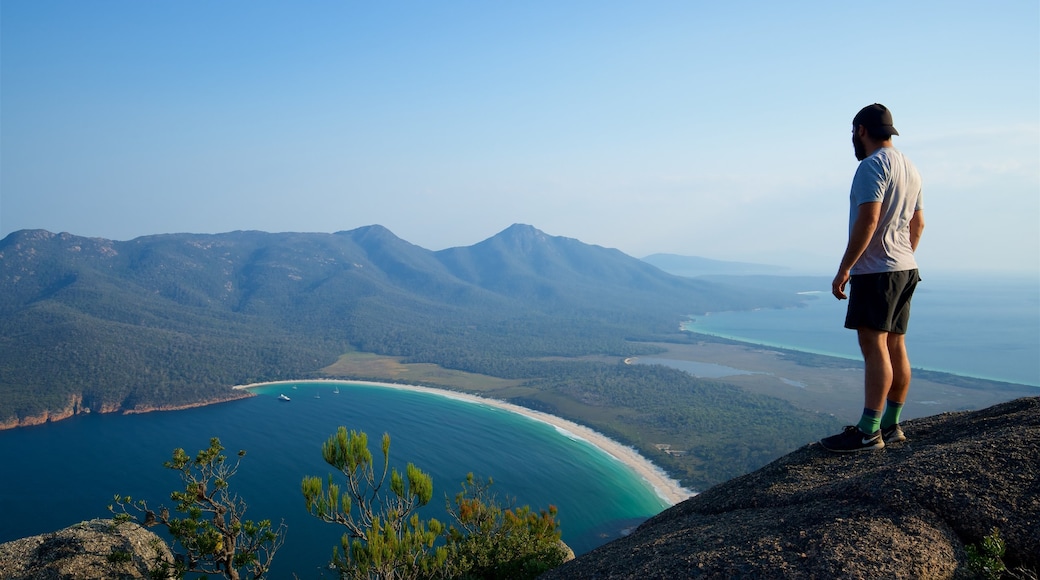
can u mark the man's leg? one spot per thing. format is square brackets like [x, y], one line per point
[878, 372]
[900, 364]
[876, 378]
[900, 380]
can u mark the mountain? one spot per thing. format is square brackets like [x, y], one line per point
[907, 511]
[525, 263]
[171, 321]
[167, 321]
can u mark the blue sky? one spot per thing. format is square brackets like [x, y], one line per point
[712, 129]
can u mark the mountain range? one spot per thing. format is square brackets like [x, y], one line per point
[174, 320]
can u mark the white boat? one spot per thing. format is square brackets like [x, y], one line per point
[283, 398]
[336, 391]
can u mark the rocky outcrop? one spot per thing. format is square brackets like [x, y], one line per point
[77, 407]
[907, 511]
[86, 551]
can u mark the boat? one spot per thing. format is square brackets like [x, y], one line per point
[283, 398]
[336, 391]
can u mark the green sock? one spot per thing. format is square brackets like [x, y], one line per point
[870, 422]
[891, 416]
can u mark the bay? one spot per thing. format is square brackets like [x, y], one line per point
[57, 474]
[978, 326]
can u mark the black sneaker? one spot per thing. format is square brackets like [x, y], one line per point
[852, 439]
[893, 434]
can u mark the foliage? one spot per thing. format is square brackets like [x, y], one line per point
[387, 539]
[986, 560]
[492, 542]
[214, 534]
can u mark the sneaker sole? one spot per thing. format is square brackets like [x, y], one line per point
[894, 437]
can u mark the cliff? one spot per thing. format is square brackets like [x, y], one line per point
[76, 406]
[908, 511]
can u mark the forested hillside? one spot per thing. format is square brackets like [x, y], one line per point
[172, 320]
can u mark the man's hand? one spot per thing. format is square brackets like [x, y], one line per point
[838, 285]
[862, 230]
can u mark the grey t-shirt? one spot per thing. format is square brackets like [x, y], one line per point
[887, 176]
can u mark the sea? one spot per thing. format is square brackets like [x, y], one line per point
[58, 474]
[977, 326]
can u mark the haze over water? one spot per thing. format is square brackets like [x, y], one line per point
[986, 327]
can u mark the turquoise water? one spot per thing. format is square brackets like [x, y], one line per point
[58, 474]
[986, 328]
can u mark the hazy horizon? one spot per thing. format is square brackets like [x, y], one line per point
[720, 131]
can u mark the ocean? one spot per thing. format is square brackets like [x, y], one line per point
[983, 327]
[58, 474]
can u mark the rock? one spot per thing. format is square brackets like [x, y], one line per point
[96, 549]
[907, 511]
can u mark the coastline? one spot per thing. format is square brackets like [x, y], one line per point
[75, 407]
[666, 488]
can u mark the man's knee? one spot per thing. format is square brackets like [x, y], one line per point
[872, 341]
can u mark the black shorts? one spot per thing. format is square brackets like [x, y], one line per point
[881, 301]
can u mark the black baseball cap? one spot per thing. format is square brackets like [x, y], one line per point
[875, 117]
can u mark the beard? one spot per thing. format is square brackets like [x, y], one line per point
[858, 148]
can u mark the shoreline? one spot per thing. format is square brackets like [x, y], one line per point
[664, 486]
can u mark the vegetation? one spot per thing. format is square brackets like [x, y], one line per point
[491, 542]
[986, 560]
[215, 537]
[386, 538]
[174, 320]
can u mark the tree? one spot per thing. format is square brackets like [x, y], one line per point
[493, 542]
[214, 534]
[387, 540]
[385, 537]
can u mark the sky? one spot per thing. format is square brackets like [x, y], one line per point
[713, 129]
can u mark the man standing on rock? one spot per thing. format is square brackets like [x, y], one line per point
[885, 226]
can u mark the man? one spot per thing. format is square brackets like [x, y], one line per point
[885, 226]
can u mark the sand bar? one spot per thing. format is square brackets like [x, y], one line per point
[667, 488]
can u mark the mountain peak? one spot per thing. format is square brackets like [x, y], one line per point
[519, 229]
[519, 236]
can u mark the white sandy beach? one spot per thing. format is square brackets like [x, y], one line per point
[667, 488]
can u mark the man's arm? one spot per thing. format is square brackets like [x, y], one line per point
[867, 217]
[916, 229]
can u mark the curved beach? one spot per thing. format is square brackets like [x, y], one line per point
[667, 488]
